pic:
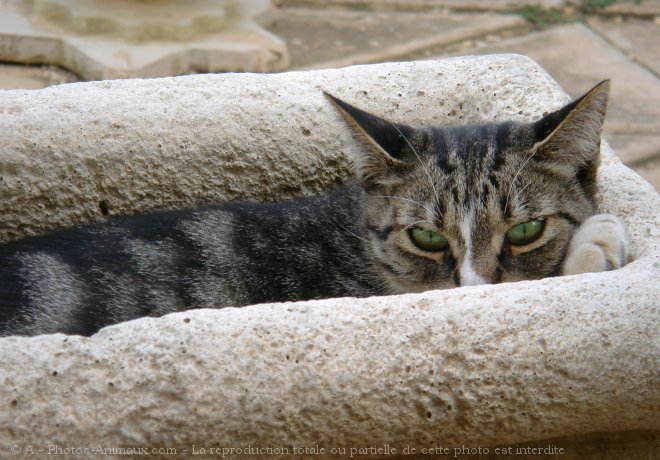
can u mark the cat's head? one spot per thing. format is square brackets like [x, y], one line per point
[465, 205]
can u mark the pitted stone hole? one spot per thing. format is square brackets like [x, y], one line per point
[429, 414]
[186, 320]
[408, 368]
[103, 207]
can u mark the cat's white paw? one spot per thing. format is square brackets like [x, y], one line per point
[600, 244]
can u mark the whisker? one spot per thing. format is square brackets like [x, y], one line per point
[508, 193]
[516, 198]
[415, 223]
[523, 189]
[419, 159]
[353, 234]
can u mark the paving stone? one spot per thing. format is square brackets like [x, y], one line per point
[140, 39]
[648, 8]
[578, 58]
[337, 38]
[639, 39]
[15, 76]
[638, 147]
[458, 5]
[651, 172]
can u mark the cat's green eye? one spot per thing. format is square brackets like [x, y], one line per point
[428, 240]
[525, 233]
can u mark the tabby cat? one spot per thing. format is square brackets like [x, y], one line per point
[432, 208]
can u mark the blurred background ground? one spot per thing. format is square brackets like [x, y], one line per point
[579, 42]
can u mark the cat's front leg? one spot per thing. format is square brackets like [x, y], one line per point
[600, 244]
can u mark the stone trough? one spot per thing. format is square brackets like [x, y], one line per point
[476, 367]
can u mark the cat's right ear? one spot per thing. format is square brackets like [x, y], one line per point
[387, 145]
[569, 138]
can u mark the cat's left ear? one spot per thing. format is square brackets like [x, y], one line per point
[388, 149]
[570, 137]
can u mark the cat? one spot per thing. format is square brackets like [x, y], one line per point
[430, 208]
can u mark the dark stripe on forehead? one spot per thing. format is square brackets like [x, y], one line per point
[502, 136]
[505, 206]
[502, 142]
[485, 192]
[505, 140]
[492, 179]
[440, 149]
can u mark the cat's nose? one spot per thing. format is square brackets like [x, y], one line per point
[469, 277]
[472, 279]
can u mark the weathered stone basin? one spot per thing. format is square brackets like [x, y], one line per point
[475, 367]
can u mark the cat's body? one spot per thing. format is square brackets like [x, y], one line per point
[432, 208]
[80, 280]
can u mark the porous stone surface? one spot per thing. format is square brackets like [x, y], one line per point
[149, 38]
[130, 145]
[474, 366]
